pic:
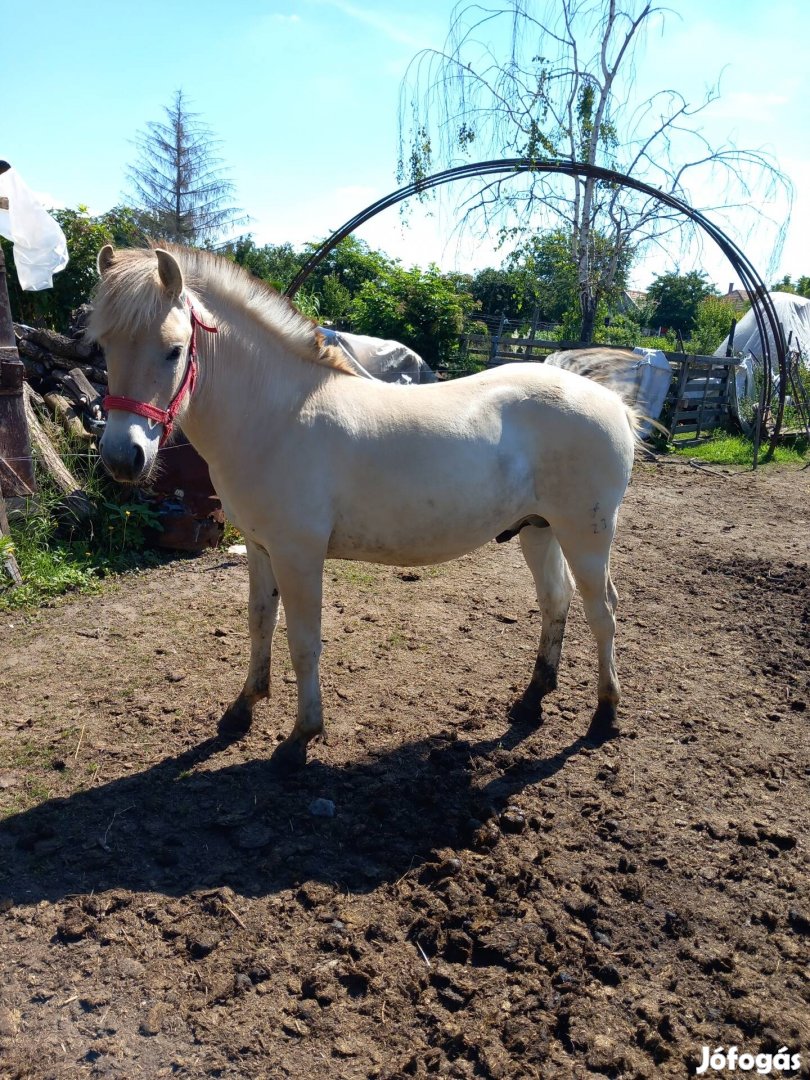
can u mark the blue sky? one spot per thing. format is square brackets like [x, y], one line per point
[303, 95]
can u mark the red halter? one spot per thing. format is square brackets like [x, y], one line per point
[166, 417]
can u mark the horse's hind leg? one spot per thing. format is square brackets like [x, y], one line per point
[588, 555]
[262, 620]
[555, 587]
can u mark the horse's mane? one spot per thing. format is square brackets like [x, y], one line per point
[130, 294]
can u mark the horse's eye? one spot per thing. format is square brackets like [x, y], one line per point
[176, 353]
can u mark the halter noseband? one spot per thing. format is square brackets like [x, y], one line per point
[166, 417]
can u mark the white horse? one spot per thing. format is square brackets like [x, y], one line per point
[312, 462]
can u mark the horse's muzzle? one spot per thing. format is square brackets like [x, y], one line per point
[128, 448]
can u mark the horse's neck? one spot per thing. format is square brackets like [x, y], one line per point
[247, 376]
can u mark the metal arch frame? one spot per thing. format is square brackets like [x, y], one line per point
[764, 310]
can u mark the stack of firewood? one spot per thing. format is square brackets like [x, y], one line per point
[68, 374]
[66, 378]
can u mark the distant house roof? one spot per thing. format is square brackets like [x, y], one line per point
[630, 299]
[739, 298]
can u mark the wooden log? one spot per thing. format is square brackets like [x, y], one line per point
[35, 352]
[58, 344]
[68, 415]
[75, 500]
[81, 389]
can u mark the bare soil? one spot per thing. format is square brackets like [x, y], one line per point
[487, 900]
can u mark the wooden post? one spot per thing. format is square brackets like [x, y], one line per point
[10, 566]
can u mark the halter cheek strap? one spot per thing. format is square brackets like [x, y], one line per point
[166, 417]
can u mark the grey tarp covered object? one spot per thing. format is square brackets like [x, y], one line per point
[389, 361]
[793, 313]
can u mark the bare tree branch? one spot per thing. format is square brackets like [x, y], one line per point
[561, 87]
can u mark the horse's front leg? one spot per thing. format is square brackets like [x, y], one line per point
[301, 583]
[262, 620]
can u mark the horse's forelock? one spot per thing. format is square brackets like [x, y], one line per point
[128, 295]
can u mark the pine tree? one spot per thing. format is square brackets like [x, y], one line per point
[178, 182]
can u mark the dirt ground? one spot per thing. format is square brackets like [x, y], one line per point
[486, 900]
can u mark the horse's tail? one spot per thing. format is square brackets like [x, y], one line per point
[613, 368]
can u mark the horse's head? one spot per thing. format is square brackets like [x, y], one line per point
[146, 327]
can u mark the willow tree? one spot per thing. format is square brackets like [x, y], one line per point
[558, 84]
[178, 181]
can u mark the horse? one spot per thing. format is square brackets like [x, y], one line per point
[312, 462]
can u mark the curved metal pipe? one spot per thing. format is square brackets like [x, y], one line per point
[764, 310]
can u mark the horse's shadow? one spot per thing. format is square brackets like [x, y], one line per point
[183, 825]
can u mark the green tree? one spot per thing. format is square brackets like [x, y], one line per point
[551, 277]
[713, 320]
[423, 309]
[277, 264]
[801, 287]
[677, 297]
[500, 292]
[72, 286]
[178, 179]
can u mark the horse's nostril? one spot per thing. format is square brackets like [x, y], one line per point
[138, 461]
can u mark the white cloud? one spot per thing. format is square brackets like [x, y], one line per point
[389, 27]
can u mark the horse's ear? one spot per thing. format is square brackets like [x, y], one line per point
[171, 276]
[105, 259]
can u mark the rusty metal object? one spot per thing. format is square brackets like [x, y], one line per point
[184, 497]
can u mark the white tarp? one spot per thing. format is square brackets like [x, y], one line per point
[793, 313]
[389, 361]
[40, 248]
[652, 377]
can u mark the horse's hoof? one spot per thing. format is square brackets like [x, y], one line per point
[529, 712]
[289, 755]
[235, 721]
[603, 723]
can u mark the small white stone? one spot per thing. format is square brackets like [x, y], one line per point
[322, 808]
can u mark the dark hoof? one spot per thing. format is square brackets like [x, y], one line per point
[528, 711]
[289, 755]
[603, 724]
[235, 721]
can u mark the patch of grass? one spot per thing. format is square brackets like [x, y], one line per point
[57, 554]
[354, 573]
[725, 449]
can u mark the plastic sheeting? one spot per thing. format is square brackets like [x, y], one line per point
[40, 248]
[650, 377]
[388, 361]
[793, 313]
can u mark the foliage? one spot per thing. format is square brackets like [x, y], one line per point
[547, 264]
[556, 82]
[340, 277]
[178, 179]
[801, 287]
[713, 320]
[421, 308]
[277, 264]
[677, 297]
[56, 554]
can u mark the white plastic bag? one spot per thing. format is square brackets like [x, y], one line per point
[40, 248]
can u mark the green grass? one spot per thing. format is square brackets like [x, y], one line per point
[55, 558]
[725, 449]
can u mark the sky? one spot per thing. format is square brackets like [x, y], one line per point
[303, 97]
